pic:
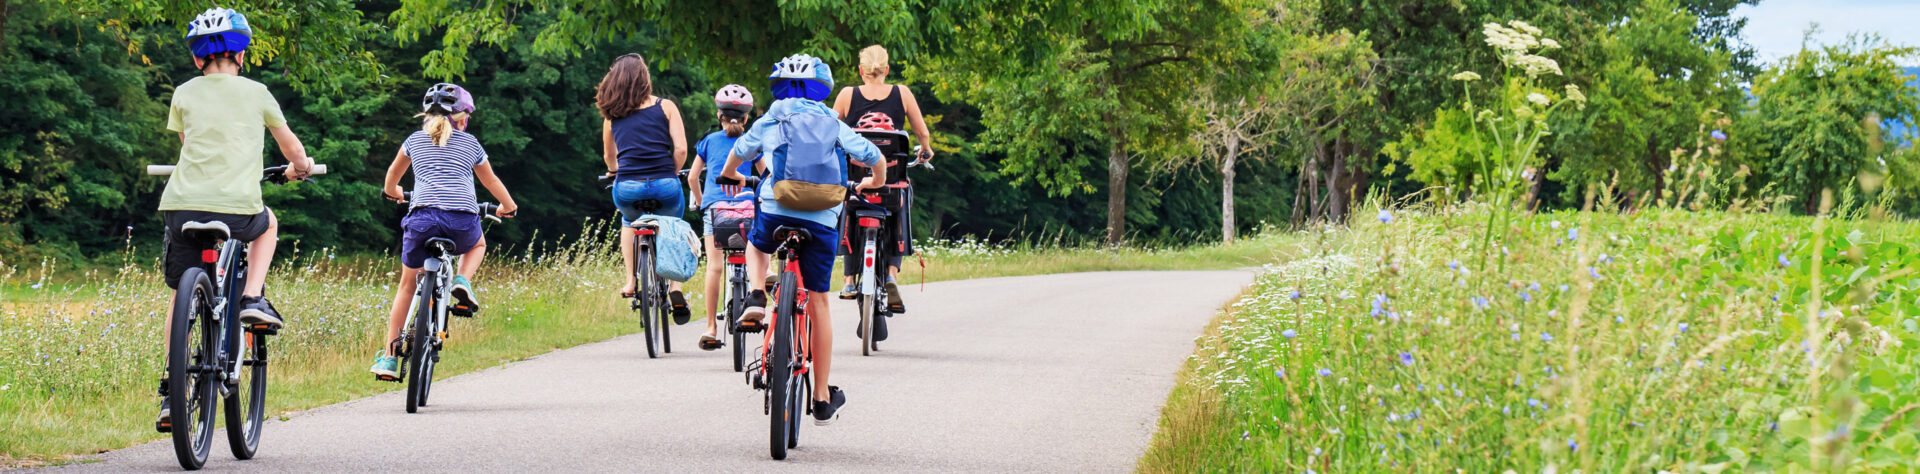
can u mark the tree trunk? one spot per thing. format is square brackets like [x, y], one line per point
[1300, 195]
[1117, 190]
[1226, 189]
[1336, 203]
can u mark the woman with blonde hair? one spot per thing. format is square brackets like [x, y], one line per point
[896, 103]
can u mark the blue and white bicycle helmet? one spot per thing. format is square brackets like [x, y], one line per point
[801, 76]
[218, 30]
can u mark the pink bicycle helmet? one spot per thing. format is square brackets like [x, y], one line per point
[733, 99]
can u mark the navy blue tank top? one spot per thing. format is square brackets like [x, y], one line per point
[645, 145]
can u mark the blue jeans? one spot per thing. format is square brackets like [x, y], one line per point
[627, 195]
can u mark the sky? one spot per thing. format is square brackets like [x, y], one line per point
[1775, 27]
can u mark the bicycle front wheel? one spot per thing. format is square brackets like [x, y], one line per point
[419, 350]
[191, 346]
[245, 407]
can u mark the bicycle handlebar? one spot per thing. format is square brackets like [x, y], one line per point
[267, 174]
[487, 210]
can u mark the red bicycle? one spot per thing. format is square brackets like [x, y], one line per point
[785, 363]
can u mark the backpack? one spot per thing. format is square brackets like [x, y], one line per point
[812, 176]
[732, 220]
[675, 254]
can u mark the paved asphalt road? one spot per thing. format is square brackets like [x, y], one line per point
[1059, 373]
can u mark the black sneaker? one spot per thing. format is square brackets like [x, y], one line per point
[680, 312]
[824, 413]
[894, 304]
[163, 423]
[256, 310]
[750, 319]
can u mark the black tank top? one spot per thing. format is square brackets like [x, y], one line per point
[892, 106]
[644, 143]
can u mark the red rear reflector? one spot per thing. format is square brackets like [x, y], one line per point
[737, 259]
[869, 261]
[643, 232]
[875, 199]
[209, 256]
[869, 222]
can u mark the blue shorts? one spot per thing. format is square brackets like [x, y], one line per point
[628, 193]
[425, 223]
[816, 255]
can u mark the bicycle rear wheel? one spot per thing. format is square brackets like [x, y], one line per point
[190, 362]
[780, 380]
[650, 322]
[420, 349]
[245, 407]
[737, 305]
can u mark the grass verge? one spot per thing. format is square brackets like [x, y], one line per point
[1655, 341]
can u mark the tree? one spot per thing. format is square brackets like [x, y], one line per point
[315, 42]
[1325, 81]
[1816, 117]
[1043, 75]
[1229, 130]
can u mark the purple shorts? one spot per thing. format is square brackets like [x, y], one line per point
[425, 223]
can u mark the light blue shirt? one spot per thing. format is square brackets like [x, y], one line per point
[765, 137]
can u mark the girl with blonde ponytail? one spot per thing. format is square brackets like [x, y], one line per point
[444, 160]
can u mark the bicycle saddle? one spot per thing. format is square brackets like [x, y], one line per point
[442, 244]
[648, 206]
[785, 232]
[197, 230]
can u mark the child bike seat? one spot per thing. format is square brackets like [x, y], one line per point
[197, 230]
[441, 244]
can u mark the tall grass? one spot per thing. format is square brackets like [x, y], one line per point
[1596, 342]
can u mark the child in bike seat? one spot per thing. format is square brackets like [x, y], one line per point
[735, 103]
[644, 145]
[444, 159]
[796, 154]
[220, 117]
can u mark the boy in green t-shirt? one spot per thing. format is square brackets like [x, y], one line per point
[219, 117]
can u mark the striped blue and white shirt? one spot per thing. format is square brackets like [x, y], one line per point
[443, 175]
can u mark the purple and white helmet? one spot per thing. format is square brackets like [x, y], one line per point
[446, 99]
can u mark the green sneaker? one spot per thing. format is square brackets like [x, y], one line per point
[385, 368]
[464, 303]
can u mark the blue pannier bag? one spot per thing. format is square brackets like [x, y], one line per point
[674, 255]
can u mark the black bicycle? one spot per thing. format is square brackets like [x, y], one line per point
[880, 240]
[426, 332]
[736, 268]
[650, 290]
[209, 354]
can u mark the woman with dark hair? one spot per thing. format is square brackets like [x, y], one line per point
[644, 145]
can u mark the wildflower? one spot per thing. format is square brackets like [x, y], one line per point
[1279, 373]
[1553, 225]
[1468, 76]
[1406, 358]
[1574, 94]
[1480, 303]
[1573, 446]
[1325, 372]
[1573, 233]
[1549, 43]
[1563, 288]
[1523, 26]
[1533, 403]
[1782, 259]
[1453, 265]
[1546, 337]
[1295, 294]
[1288, 334]
[1683, 327]
[1619, 320]
[36, 286]
[1595, 273]
[1385, 216]
[1719, 135]
[1525, 297]
[1538, 99]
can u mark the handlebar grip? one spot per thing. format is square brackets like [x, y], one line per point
[159, 170]
[318, 169]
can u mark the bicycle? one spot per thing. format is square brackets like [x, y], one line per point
[872, 219]
[785, 360]
[650, 290]
[735, 254]
[208, 354]
[426, 332]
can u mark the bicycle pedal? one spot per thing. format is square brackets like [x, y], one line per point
[163, 427]
[264, 329]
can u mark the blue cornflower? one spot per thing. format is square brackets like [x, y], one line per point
[1619, 320]
[1683, 327]
[1385, 216]
[1324, 372]
[1573, 233]
[1479, 302]
[1453, 265]
[1535, 286]
[1295, 294]
[1719, 135]
[1288, 334]
[1572, 445]
[1783, 261]
[1406, 358]
[1595, 273]
[1546, 337]
[1533, 403]
[1280, 373]
[1525, 297]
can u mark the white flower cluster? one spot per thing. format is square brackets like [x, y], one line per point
[1516, 41]
[1468, 76]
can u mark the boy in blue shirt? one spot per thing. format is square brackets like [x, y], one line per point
[799, 83]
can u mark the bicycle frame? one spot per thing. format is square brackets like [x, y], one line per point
[803, 330]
